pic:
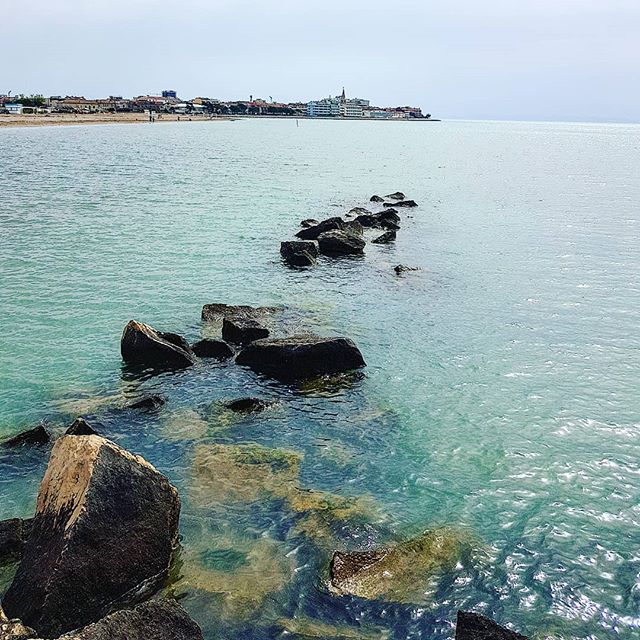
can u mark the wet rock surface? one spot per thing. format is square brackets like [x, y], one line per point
[143, 345]
[376, 198]
[211, 348]
[385, 238]
[398, 195]
[300, 357]
[401, 203]
[105, 528]
[150, 403]
[248, 405]
[312, 233]
[216, 311]
[153, 620]
[340, 243]
[471, 626]
[309, 222]
[299, 253]
[37, 435]
[242, 330]
[13, 534]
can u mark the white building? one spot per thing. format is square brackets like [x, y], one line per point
[343, 107]
[14, 108]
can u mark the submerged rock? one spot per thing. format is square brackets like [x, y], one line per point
[309, 222]
[471, 626]
[37, 435]
[150, 403]
[376, 199]
[299, 253]
[340, 243]
[154, 620]
[143, 345]
[242, 330]
[105, 527]
[248, 405]
[385, 238]
[216, 311]
[13, 534]
[80, 427]
[244, 472]
[400, 573]
[300, 628]
[398, 195]
[211, 348]
[300, 357]
[312, 233]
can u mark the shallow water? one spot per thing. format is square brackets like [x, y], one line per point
[500, 397]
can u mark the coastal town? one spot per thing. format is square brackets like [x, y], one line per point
[169, 103]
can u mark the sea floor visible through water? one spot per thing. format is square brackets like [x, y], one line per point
[499, 403]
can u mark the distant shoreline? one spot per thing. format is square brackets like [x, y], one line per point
[70, 119]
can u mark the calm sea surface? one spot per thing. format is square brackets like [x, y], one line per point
[501, 397]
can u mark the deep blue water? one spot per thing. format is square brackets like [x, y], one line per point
[500, 397]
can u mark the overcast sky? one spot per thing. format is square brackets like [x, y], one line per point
[501, 59]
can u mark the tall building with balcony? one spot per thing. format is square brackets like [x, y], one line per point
[337, 107]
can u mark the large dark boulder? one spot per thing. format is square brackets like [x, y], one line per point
[80, 427]
[398, 195]
[353, 227]
[312, 233]
[385, 238]
[300, 357]
[37, 435]
[242, 330]
[340, 243]
[216, 311]
[299, 253]
[376, 199]
[390, 215]
[13, 534]
[105, 528]
[471, 626]
[211, 348]
[153, 620]
[143, 345]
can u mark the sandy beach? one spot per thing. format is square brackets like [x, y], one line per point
[63, 119]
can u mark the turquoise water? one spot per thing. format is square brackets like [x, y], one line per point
[500, 398]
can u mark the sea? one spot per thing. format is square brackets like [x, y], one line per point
[499, 407]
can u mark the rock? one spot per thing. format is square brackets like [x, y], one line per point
[340, 243]
[299, 253]
[398, 195]
[401, 268]
[401, 203]
[385, 238]
[312, 233]
[247, 405]
[153, 620]
[242, 330]
[150, 403]
[216, 311]
[309, 222]
[353, 227]
[399, 573]
[471, 626]
[368, 220]
[80, 427]
[390, 215]
[376, 199]
[143, 345]
[301, 357]
[37, 435]
[13, 534]
[356, 211]
[105, 528]
[14, 629]
[210, 348]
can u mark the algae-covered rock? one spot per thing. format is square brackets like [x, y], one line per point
[300, 628]
[241, 572]
[243, 472]
[14, 629]
[471, 626]
[399, 573]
